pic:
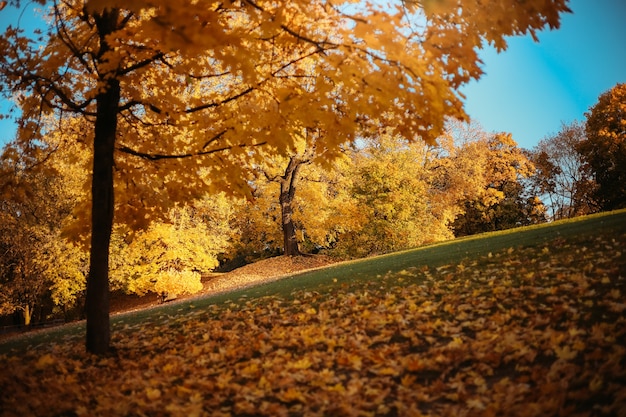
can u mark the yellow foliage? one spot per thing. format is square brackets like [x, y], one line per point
[169, 256]
[37, 262]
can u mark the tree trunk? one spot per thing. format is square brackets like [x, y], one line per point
[287, 193]
[97, 301]
[97, 297]
[28, 314]
[289, 228]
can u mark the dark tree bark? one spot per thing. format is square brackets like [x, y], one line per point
[288, 186]
[97, 297]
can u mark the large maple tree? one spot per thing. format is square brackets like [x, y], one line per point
[192, 83]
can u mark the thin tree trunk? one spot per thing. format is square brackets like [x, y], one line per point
[290, 240]
[27, 313]
[97, 297]
[287, 194]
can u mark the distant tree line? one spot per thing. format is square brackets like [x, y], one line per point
[582, 168]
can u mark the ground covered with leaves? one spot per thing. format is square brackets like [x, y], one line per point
[535, 331]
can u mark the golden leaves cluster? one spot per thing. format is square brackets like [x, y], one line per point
[520, 332]
[170, 255]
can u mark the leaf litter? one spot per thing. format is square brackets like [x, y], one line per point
[519, 332]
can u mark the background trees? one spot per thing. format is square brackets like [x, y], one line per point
[580, 169]
[500, 166]
[561, 177]
[388, 203]
[170, 256]
[285, 171]
[604, 149]
[40, 268]
[302, 185]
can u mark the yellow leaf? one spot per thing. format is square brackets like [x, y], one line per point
[414, 364]
[565, 353]
[387, 370]
[596, 383]
[304, 363]
[291, 394]
[407, 380]
[475, 404]
[337, 388]
[153, 393]
[183, 391]
[45, 361]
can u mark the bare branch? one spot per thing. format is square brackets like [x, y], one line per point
[157, 156]
[319, 45]
[141, 64]
[67, 41]
[219, 103]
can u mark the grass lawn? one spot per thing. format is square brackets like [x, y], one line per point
[529, 322]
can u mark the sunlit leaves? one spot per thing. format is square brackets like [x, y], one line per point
[238, 67]
[128, 66]
[38, 263]
[170, 255]
[401, 195]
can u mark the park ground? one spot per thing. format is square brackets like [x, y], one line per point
[530, 322]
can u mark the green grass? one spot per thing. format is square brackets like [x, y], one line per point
[580, 230]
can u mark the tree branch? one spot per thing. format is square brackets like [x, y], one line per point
[157, 156]
[317, 44]
[219, 103]
[67, 41]
[141, 64]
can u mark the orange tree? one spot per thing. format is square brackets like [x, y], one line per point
[604, 150]
[502, 203]
[193, 83]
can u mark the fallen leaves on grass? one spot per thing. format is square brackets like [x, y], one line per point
[522, 332]
[266, 270]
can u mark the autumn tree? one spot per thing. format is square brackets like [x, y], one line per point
[258, 224]
[400, 195]
[170, 256]
[187, 82]
[407, 194]
[308, 191]
[500, 166]
[287, 173]
[38, 264]
[604, 149]
[561, 177]
[288, 181]
[388, 204]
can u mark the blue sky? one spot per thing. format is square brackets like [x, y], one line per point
[532, 88]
